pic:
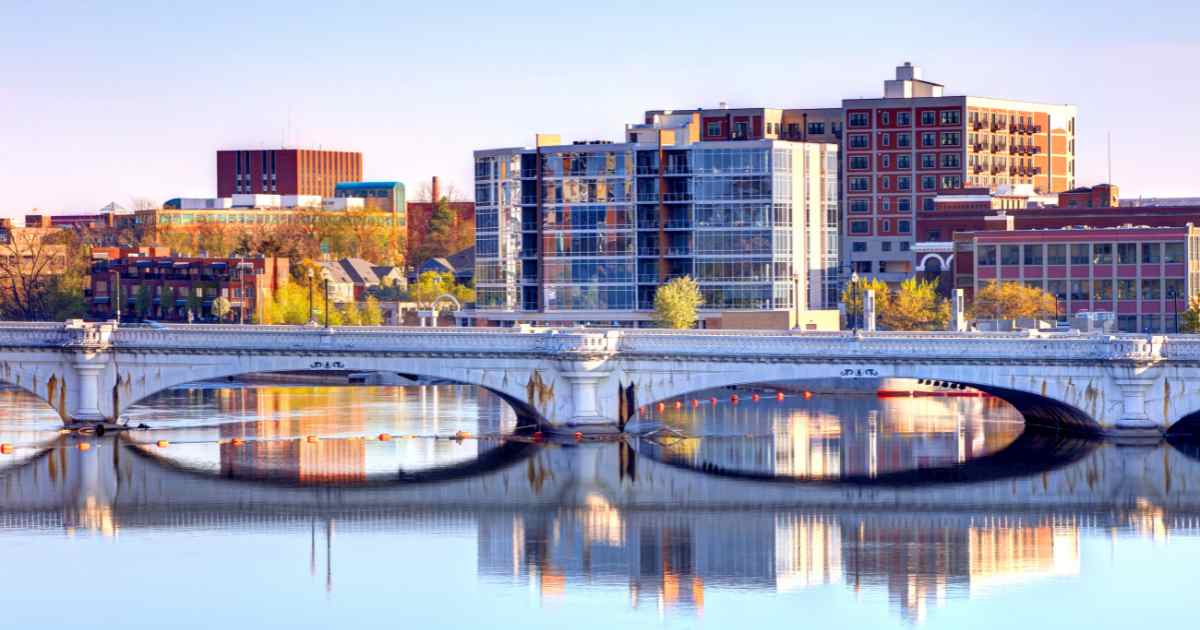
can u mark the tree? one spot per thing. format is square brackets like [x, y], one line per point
[439, 234]
[1012, 300]
[916, 306]
[432, 285]
[143, 301]
[351, 314]
[372, 312]
[221, 307]
[854, 293]
[1189, 320]
[676, 303]
[30, 258]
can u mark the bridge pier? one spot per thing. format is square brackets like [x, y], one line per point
[85, 407]
[587, 416]
[1134, 422]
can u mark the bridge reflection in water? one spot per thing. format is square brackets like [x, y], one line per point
[667, 523]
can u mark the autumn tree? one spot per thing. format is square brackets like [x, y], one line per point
[1189, 320]
[372, 312]
[916, 305]
[677, 303]
[32, 262]
[439, 236]
[432, 285]
[1012, 300]
[855, 292]
[221, 307]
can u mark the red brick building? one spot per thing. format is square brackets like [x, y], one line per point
[420, 211]
[285, 171]
[149, 283]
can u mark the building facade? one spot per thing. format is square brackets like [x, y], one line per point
[587, 232]
[378, 196]
[285, 171]
[1144, 276]
[149, 283]
[903, 150]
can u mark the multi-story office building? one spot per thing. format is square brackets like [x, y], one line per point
[587, 232]
[902, 150]
[378, 196]
[1145, 276]
[285, 171]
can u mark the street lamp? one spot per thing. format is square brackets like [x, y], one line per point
[1174, 295]
[857, 298]
[310, 283]
[117, 288]
[242, 289]
[325, 275]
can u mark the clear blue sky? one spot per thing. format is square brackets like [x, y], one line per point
[111, 100]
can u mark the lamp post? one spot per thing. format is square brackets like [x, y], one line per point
[1175, 306]
[242, 289]
[857, 298]
[310, 283]
[117, 288]
[325, 276]
[1055, 296]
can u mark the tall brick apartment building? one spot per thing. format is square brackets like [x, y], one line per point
[901, 150]
[286, 171]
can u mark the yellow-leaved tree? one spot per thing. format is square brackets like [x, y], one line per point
[1012, 300]
[853, 295]
[677, 303]
[916, 305]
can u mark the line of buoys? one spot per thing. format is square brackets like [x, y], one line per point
[754, 397]
[778, 395]
[695, 402]
[713, 400]
[384, 437]
[6, 448]
[84, 446]
[661, 406]
[733, 398]
[807, 395]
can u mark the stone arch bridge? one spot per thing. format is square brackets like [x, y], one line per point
[593, 380]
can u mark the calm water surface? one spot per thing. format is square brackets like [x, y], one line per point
[277, 506]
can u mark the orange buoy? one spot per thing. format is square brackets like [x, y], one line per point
[713, 400]
[461, 435]
[312, 439]
[778, 395]
[385, 437]
[537, 436]
[578, 435]
[678, 404]
[6, 448]
[83, 446]
[695, 402]
[754, 397]
[162, 444]
[661, 406]
[733, 398]
[807, 395]
[237, 441]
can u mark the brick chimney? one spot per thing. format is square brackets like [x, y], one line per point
[435, 191]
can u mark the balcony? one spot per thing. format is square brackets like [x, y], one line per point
[978, 146]
[977, 125]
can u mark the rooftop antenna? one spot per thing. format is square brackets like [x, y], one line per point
[1110, 157]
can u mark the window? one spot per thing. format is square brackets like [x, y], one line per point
[816, 128]
[859, 119]
[885, 119]
[1151, 253]
[951, 160]
[860, 227]
[1174, 252]
[714, 129]
[1033, 254]
[859, 141]
[951, 117]
[860, 162]
[905, 246]
[1151, 289]
[987, 255]
[951, 139]
[928, 139]
[928, 182]
[1173, 290]
[904, 119]
[934, 235]
[886, 225]
[903, 161]
[1057, 288]
[904, 183]
[862, 266]
[859, 205]
[859, 184]
[927, 204]
[1102, 254]
[741, 130]
[1010, 254]
[928, 160]
[1056, 254]
[951, 182]
[885, 140]
[1081, 290]
[1102, 290]
[1127, 323]
[886, 246]
[886, 204]
[885, 161]
[793, 130]
[1126, 253]
[904, 140]
[927, 118]
[903, 226]
[903, 204]
[858, 247]
[1126, 289]
[885, 183]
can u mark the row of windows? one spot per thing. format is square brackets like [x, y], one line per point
[587, 191]
[766, 296]
[904, 119]
[590, 297]
[904, 140]
[587, 218]
[904, 161]
[762, 270]
[862, 183]
[585, 164]
[903, 226]
[589, 271]
[1083, 254]
[1104, 290]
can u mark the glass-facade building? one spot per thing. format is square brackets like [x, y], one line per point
[587, 232]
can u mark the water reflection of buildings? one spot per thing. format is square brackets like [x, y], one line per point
[669, 560]
[846, 436]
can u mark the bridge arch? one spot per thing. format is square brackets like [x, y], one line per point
[1046, 402]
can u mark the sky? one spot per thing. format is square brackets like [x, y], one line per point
[110, 101]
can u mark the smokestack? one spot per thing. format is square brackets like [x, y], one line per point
[435, 191]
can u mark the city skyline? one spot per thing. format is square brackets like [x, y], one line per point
[136, 109]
